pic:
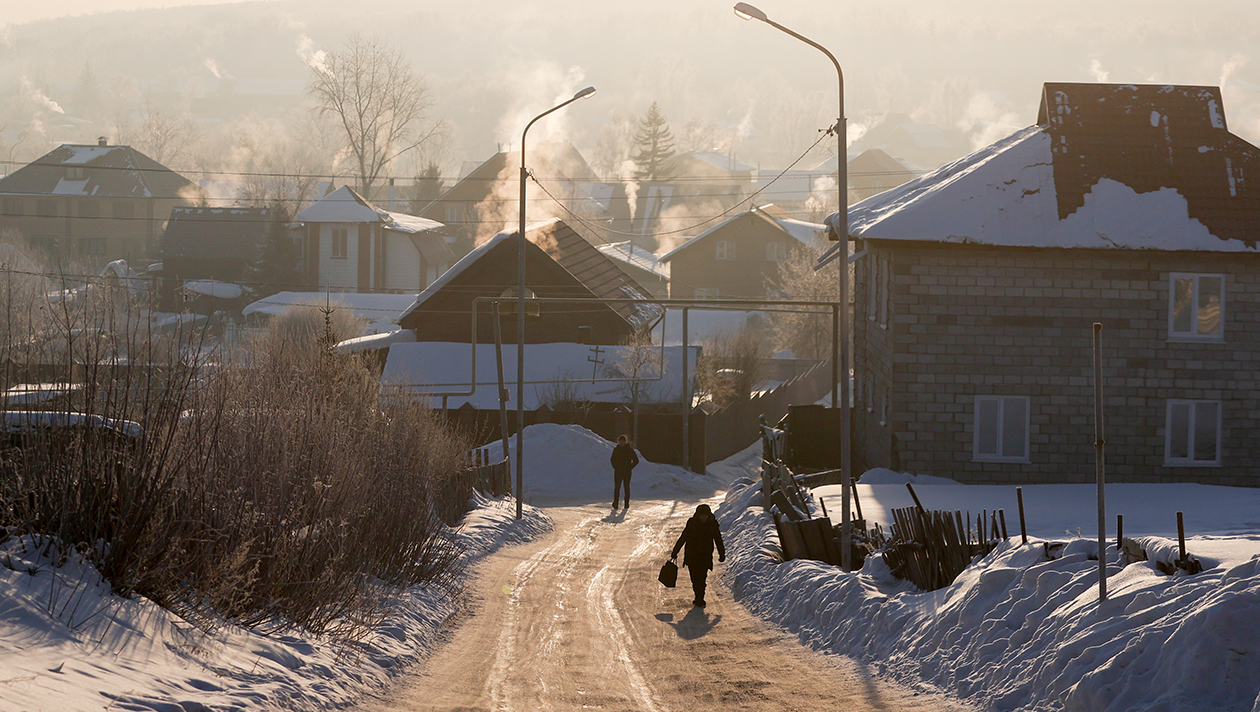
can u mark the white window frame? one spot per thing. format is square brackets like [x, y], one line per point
[725, 250]
[976, 455]
[340, 238]
[1193, 334]
[776, 251]
[1169, 460]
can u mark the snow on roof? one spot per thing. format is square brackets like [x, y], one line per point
[376, 308]
[376, 342]
[344, 205]
[15, 420]
[631, 253]
[1004, 195]
[431, 367]
[809, 234]
[214, 288]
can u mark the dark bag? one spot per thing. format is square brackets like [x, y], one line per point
[669, 574]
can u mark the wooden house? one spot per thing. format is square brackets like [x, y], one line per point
[209, 244]
[95, 203]
[558, 263]
[348, 244]
[738, 257]
[977, 286]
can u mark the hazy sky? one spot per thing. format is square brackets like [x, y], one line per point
[491, 64]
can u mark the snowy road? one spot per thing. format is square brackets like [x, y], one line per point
[577, 620]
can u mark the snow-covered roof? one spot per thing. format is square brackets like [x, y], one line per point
[436, 367]
[640, 257]
[344, 205]
[1102, 171]
[98, 171]
[811, 235]
[380, 310]
[214, 288]
[15, 420]
[376, 342]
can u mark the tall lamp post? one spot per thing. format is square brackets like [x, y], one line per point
[520, 306]
[840, 231]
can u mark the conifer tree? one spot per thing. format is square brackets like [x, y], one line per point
[654, 146]
[276, 269]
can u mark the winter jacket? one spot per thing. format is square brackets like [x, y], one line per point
[624, 459]
[699, 538]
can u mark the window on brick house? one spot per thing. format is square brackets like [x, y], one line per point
[1193, 433]
[1196, 306]
[340, 243]
[776, 251]
[1001, 429]
[725, 250]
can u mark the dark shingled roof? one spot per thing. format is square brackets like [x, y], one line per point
[216, 233]
[1150, 137]
[107, 172]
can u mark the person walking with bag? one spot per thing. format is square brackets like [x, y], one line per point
[624, 460]
[699, 537]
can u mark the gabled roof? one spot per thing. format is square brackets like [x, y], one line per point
[344, 205]
[215, 233]
[106, 172]
[572, 252]
[811, 235]
[1109, 166]
[720, 161]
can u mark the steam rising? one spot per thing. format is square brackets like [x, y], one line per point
[1096, 71]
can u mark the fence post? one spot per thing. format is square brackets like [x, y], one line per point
[1099, 464]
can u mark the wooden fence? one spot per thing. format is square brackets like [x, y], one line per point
[931, 547]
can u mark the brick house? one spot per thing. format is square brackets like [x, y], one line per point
[97, 203]
[348, 244]
[977, 285]
[739, 256]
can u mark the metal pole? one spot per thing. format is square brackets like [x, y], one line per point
[686, 397]
[1099, 464]
[520, 339]
[498, 357]
[520, 307]
[835, 356]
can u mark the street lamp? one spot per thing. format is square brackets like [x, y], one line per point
[839, 231]
[520, 306]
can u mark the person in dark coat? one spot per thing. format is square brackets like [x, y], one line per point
[699, 537]
[624, 459]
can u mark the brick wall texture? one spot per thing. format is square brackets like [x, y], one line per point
[963, 321]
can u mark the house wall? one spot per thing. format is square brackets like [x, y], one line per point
[85, 228]
[404, 270]
[338, 274]
[745, 275]
[967, 321]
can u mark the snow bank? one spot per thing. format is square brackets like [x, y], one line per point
[570, 463]
[67, 643]
[1017, 631]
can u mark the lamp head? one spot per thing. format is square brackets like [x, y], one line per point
[584, 93]
[748, 12]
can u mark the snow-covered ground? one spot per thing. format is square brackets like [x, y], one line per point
[67, 643]
[1018, 631]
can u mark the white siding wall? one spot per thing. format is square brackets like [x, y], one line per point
[338, 274]
[402, 263]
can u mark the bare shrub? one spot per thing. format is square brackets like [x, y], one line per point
[275, 491]
[732, 365]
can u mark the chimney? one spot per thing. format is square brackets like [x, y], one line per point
[102, 141]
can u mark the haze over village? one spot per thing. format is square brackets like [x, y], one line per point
[915, 347]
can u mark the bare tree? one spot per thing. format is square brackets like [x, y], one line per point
[638, 359]
[804, 332]
[380, 102]
[162, 136]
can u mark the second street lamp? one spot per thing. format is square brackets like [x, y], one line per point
[520, 306]
[841, 232]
